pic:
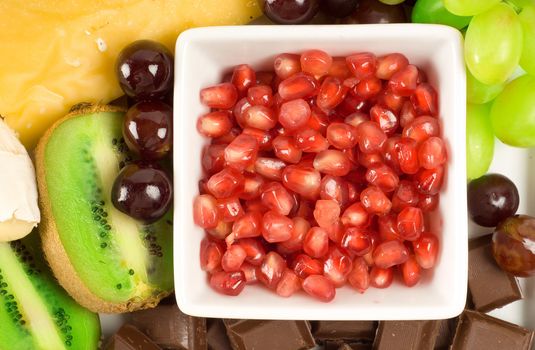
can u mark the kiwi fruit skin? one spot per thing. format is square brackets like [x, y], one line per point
[35, 312]
[103, 282]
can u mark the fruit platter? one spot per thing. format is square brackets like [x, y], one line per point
[267, 174]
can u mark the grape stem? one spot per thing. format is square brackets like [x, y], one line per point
[517, 9]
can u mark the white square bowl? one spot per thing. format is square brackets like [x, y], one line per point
[202, 57]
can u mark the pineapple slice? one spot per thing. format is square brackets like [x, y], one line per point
[57, 53]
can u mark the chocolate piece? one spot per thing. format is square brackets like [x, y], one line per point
[490, 287]
[129, 337]
[341, 345]
[269, 335]
[479, 331]
[170, 328]
[216, 336]
[446, 331]
[410, 335]
[357, 331]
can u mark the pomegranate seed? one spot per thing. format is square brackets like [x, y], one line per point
[225, 183]
[210, 255]
[286, 65]
[221, 231]
[387, 120]
[350, 82]
[326, 212]
[426, 250]
[352, 104]
[227, 138]
[407, 114]
[341, 135]
[390, 64]
[305, 209]
[370, 137]
[255, 205]
[300, 85]
[390, 253]
[213, 158]
[271, 270]
[425, 100]
[295, 242]
[332, 162]
[294, 114]
[319, 287]
[388, 228]
[270, 168]
[403, 82]
[429, 181]
[229, 283]
[331, 93]
[362, 65]
[332, 187]
[318, 120]
[214, 124]
[355, 119]
[381, 278]
[243, 77]
[276, 198]
[233, 258]
[241, 153]
[411, 272]
[406, 195]
[307, 161]
[337, 267]
[316, 62]
[285, 148]
[407, 154]
[250, 272]
[390, 154]
[230, 209]
[368, 258]
[352, 193]
[428, 202]
[259, 117]
[356, 216]
[432, 153]
[422, 128]
[339, 68]
[252, 185]
[368, 87]
[239, 111]
[359, 277]
[264, 77]
[410, 223]
[304, 266]
[254, 249]
[276, 227]
[248, 225]
[222, 96]
[205, 211]
[391, 100]
[357, 241]
[375, 201]
[316, 242]
[336, 232]
[288, 284]
[302, 180]
[260, 95]
[368, 160]
[263, 138]
[382, 176]
[310, 140]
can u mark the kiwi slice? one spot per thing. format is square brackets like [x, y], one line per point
[35, 312]
[106, 260]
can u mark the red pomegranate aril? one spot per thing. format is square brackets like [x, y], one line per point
[255, 205]
[326, 212]
[319, 287]
[259, 117]
[285, 148]
[260, 95]
[307, 161]
[359, 277]
[428, 202]
[294, 114]
[426, 250]
[371, 137]
[432, 153]
[263, 137]
[288, 284]
[316, 242]
[342, 135]
[336, 232]
[422, 128]
[286, 65]
[429, 181]
[356, 216]
[375, 201]
[214, 124]
[316, 62]
[300, 85]
[410, 223]
[406, 195]
[228, 137]
[390, 154]
[205, 211]
[225, 183]
[276, 198]
[276, 227]
[252, 185]
[382, 176]
[411, 272]
[335, 188]
[229, 283]
[387, 120]
[362, 65]
[390, 64]
[230, 209]
[390, 253]
[295, 242]
[305, 181]
[305, 209]
[388, 228]
[221, 231]
[352, 193]
[264, 78]
[339, 68]
[271, 270]
[241, 153]
[403, 82]
[332, 162]
[425, 100]
[270, 168]
[381, 278]
[355, 119]
[407, 155]
[304, 266]
[243, 77]
[318, 120]
[210, 255]
[407, 114]
[367, 160]
[352, 104]
[310, 140]
[391, 100]
[213, 158]
[250, 272]
[357, 241]
[221, 96]
[368, 87]
[239, 111]
[233, 258]
[332, 93]
[337, 267]
[254, 249]
[248, 225]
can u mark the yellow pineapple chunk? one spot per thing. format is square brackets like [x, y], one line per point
[57, 53]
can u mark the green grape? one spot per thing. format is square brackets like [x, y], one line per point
[527, 59]
[479, 140]
[469, 7]
[433, 11]
[391, 2]
[493, 44]
[477, 92]
[513, 113]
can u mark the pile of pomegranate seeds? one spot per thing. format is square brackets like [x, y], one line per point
[319, 174]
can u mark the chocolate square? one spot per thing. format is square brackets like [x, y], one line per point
[216, 336]
[409, 335]
[446, 331]
[129, 337]
[356, 331]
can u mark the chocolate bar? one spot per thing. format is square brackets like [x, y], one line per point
[489, 286]
[446, 331]
[216, 335]
[129, 337]
[477, 330]
[410, 335]
[341, 345]
[356, 331]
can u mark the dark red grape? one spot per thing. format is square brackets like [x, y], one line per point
[513, 245]
[143, 192]
[338, 8]
[147, 129]
[290, 11]
[374, 11]
[145, 70]
[491, 199]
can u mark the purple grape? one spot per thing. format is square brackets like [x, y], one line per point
[290, 11]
